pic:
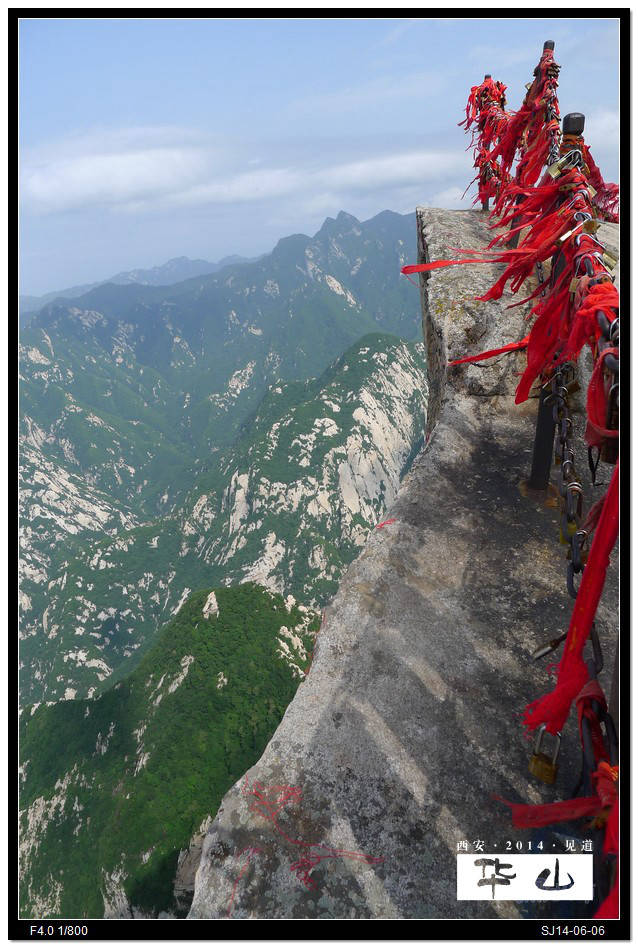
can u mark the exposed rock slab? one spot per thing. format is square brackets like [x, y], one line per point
[408, 721]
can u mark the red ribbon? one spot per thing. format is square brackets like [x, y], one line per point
[510, 347]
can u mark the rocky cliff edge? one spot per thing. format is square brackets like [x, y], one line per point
[408, 721]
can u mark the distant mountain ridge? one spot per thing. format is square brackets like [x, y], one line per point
[173, 271]
[132, 398]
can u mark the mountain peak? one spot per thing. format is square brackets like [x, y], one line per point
[338, 225]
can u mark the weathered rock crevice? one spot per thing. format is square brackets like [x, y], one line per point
[409, 720]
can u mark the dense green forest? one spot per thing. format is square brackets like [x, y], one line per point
[119, 784]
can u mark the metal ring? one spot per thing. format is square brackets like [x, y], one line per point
[573, 507]
[571, 588]
[577, 543]
[558, 410]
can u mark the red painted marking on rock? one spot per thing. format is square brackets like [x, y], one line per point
[268, 803]
[384, 522]
[252, 851]
[303, 866]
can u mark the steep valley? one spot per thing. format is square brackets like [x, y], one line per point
[288, 505]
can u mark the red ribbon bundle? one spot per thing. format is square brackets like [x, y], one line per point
[482, 99]
[557, 333]
[552, 709]
[602, 807]
[528, 128]
[565, 319]
[540, 242]
[485, 110]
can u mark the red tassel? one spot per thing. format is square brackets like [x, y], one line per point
[584, 327]
[525, 815]
[510, 347]
[606, 198]
[595, 430]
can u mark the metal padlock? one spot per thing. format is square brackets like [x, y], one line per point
[541, 765]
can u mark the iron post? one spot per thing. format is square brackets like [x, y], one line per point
[543, 442]
[573, 123]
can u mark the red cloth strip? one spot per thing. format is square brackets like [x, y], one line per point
[510, 347]
[525, 815]
[437, 265]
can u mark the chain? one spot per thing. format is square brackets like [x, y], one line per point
[551, 115]
[571, 489]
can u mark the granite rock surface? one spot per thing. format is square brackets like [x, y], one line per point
[409, 719]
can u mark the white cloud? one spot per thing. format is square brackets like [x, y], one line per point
[153, 169]
[247, 186]
[339, 182]
[78, 181]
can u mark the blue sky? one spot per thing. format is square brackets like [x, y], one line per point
[144, 139]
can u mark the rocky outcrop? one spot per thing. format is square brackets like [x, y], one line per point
[408, 721]
[187, 866]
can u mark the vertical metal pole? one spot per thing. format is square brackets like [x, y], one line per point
[513, 241]
[486, 202]
[573, 123]
[543, 443]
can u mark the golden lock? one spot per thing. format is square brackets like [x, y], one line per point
[541, 765]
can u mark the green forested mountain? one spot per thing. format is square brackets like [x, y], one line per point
[129, 398]
[113, 788]
[134, 386]
[288, 504]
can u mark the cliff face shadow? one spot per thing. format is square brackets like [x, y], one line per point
[410, 720]
[425, 724]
